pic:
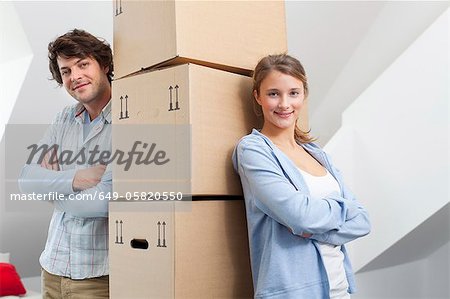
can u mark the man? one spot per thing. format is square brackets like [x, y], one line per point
[75, 259]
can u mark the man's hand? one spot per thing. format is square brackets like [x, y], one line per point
[51, 164]
[88, 178]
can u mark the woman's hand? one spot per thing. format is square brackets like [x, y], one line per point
[304, 235]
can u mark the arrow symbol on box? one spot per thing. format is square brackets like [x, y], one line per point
[164, 234]
[176, 96]
[126, 106]
[121, 239]
[121, 107]
[118, 3]
[170, 98]
[117, 231]
[159, 234]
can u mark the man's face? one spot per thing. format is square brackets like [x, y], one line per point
[84, 79]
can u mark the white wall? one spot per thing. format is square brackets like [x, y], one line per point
[393, 149]
[377, 85]
[424, 278]
[397, 131]
[346, 45]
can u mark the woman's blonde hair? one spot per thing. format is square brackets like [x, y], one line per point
[288, 65]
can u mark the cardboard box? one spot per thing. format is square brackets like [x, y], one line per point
[231, 35]
[218, 105]
[183, 250]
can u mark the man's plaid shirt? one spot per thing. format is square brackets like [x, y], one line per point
[77, 243]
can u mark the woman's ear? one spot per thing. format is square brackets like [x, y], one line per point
[255, 95]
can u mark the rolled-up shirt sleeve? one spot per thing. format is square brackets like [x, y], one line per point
[36, 179]
[92, 202]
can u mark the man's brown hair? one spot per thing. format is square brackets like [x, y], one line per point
[79, 43]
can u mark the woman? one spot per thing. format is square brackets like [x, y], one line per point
[299, 212]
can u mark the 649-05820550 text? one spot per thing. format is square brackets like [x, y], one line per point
[163, 196]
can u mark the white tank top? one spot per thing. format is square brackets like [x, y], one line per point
[332, 256]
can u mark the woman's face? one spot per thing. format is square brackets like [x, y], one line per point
[281, 97]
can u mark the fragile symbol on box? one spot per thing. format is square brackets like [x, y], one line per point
[119, 224]
[163, 224]
[171, 98]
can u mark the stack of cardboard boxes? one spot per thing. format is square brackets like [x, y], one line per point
[186, 63]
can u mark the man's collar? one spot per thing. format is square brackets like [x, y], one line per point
[105, 113]
[79, 109]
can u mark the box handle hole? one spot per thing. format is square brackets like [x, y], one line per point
[139, 244]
